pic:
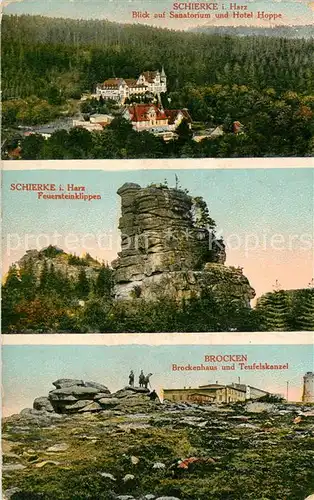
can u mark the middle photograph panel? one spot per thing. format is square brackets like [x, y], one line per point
[163, 250]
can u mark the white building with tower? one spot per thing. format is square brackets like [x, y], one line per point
[119, 89]
[308, 388]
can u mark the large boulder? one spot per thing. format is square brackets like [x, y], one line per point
[79, 392]
[130, 391]
[72, 399]
[100, 387]
[107, 403]
[42, 404]
[67, 382]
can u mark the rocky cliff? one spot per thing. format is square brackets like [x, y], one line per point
[168, 245]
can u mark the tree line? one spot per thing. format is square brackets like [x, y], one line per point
[54, 302]
[291, 134]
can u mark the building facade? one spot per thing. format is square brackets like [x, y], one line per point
[119, 89]
[212, 393]
[155, 119]
[251, 392]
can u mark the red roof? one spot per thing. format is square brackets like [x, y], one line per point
[150, 76]
[15, 153]
[112, 82]
[139, 112]
[173, 113]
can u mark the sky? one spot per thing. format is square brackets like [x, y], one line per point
[28, 371]
[264, 215]
[292, 11]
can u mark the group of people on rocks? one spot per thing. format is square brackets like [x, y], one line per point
[143, 380]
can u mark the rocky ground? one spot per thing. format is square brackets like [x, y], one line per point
[144, 450]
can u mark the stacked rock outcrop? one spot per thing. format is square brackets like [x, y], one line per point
[60, 261]
[76, 396]
[166, 247]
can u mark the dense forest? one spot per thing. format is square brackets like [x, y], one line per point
[51, 301]
[39, 53]
[265, 82]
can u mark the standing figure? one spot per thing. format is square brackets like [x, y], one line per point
[146, 380]
[131, 378]
[141, 379]
[153, 395]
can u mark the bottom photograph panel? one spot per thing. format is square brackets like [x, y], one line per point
[166, 422]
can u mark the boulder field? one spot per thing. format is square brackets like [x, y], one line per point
[83, 442]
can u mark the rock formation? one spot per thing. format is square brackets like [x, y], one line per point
[76, 396]
[167, 245]
[61, 262]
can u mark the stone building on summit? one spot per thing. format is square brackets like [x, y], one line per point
[168, 245]
[214, 393]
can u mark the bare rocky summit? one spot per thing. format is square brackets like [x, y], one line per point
[143, 450]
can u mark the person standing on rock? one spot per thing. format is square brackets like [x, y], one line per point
[146, 380]
[131, 378]
[153, 395]
[141, 379]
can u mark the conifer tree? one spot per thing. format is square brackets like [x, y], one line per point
[305, 311]
[43, 278]
[11, 296]
[13, 281]
[82, 286]
[274, 310]
[103, 283]
[28, 281]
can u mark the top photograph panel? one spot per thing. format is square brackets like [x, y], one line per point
[128, 79]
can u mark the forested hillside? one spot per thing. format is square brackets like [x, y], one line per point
[266, 83]
[52, 291]
[40, 53]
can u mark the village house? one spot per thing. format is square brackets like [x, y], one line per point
[119, 89]
[87, 125]
[154, 119]
[176, 116]
[213, 393]
[96, 122]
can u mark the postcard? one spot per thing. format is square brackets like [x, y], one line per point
[157, 250]
[123, 79]
[158, 422]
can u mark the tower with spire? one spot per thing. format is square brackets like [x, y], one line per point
[163, 78]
